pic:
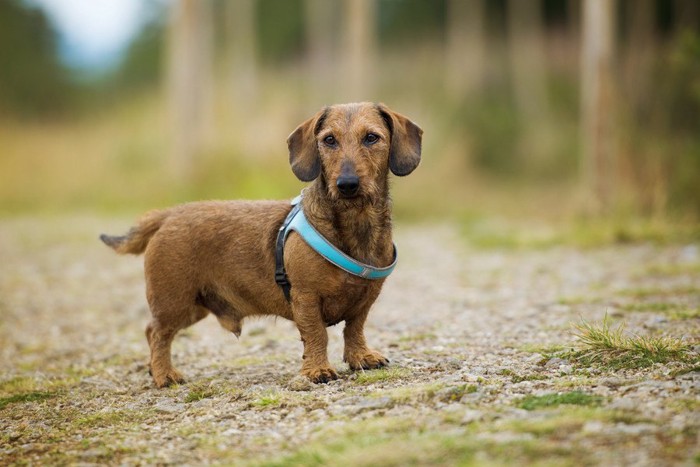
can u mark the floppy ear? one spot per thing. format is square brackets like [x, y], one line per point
[303, 149]
[406, 137]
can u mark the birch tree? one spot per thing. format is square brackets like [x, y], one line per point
[596, 101]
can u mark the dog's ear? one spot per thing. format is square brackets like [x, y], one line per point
[303, 149]
[406, 138]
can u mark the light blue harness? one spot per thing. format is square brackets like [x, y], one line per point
[296, 221]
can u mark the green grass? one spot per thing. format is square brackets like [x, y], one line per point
[672, 310]
[197, 395]
[556, 399]
[381, 375]
[484, 233]
[598, 343]
[33, 396]
[673, 269]
[118, 418]
[271, 399]
[646, 292]
[399, 442]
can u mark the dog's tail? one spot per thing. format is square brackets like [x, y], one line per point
[137, 239]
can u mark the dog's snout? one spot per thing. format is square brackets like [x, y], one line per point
[348, 184]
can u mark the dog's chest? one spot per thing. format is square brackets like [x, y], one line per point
[348, 300]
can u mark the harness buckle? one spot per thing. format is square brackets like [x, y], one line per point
[281, 277]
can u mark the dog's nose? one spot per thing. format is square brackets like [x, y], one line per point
[348, 185]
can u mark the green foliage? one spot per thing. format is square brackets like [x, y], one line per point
[142, 65]
[553, 400]
[32, 81]
[280, 29]
[402, 21]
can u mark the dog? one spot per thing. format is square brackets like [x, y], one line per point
[219, 257]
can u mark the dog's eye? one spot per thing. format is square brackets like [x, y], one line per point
[329, 140]
[371, 138]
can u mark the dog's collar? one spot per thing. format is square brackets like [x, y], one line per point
[296, 221]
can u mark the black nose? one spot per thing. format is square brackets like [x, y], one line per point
[348, 185]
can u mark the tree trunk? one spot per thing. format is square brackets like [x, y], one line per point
[320, 27]
[465, 47]
[240, 25]
[189, 79]
[359, 47]
[527, 58]
[596, 102]
[686, 13]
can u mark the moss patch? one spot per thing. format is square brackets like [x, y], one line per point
[381, 375]
[26, 397]
[556, 399]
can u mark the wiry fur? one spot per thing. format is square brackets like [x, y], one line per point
[218, 256]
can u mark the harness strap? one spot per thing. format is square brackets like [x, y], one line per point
[296, 221]
[280, 272]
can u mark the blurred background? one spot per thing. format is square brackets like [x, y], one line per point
[553, 111]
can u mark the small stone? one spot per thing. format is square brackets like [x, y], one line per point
[450, 364]
[555, 362]
[470, 378]
[170, 407]
[471, 416]
[612, 382]
[593, 427]
[624, 403]
[566, 369]
[450, 394]
[636, 429]
[355, 405]
[300, 383]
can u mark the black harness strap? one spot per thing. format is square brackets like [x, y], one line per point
[280, 272]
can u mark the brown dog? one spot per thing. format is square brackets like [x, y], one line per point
[219, 256]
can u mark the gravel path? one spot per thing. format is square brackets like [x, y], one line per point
[470, 334]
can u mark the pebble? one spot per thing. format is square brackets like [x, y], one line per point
[566, 369]
[623, 403]
[300, 383]
[357, 404]
[636, 429]
[471, 416]
[170, 407]
[450, 394]
[611, 382]
[555, 362]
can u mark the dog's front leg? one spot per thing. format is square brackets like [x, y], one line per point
[306, 310]
[357, 354]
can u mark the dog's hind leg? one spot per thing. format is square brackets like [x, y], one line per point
[160, 334]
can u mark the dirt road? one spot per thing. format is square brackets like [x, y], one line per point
[477, 341]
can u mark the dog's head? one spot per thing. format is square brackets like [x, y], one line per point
[353, 146]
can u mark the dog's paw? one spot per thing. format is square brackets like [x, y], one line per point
[167, 378]
[320, 374]
[367, 360]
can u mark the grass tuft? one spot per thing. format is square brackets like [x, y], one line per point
[599, 343]
[26, 397]
[382, 374]
[270, 399]
[553, 400]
